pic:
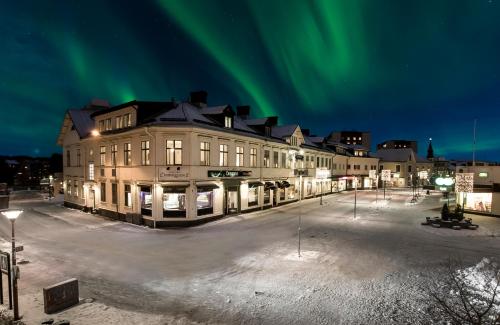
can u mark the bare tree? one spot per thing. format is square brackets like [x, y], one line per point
[461, 295]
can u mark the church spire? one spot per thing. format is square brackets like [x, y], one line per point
[430, 151]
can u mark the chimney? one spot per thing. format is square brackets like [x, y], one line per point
[273, 120]
[243, 111]
[198, 98]
[306, 132]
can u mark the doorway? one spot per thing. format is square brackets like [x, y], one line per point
[232, 200]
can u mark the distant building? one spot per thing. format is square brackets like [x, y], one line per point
[398, 144]
[405, 165]
[357, 138]
[485, 198]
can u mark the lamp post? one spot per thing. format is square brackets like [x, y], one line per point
[12, 216]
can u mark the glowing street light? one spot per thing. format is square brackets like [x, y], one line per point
[12, 216]
[95, 133]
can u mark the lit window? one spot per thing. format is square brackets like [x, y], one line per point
[266, 158]
[114, 150]
[119, 122]
[253, 157]
[103, 192]
[108, 124]
[275, 159]
[204, 153]
[174, 152]
[223, 155]
[239, 156]
[91, 171]
[145, 153]
[228, 122]
[127, 155]
[128, 196]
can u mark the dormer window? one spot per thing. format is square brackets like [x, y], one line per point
[228, 122]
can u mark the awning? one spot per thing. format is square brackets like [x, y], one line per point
[175, 188]
[279, 184]
[286, 184]
[255, 184]
[207, 187]
[269, 186]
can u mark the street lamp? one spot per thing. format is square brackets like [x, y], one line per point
[12, 216]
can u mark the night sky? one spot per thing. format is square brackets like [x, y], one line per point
[400, 69]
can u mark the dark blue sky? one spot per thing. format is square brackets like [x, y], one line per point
[401, 69]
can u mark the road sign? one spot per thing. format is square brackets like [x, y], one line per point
[386, 175]
[19, 248]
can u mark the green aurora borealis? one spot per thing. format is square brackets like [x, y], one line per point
[401, 69]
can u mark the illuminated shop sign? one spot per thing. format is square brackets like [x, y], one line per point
[229, 173]
[444, 181]
[483, 174]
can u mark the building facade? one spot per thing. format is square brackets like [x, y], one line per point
[184, 163]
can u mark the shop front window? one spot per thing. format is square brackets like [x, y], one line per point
[204, 202]
[291, 192]
[253, 196]
[146, 200]
[478, 202]
[308, 188]
[174, 202]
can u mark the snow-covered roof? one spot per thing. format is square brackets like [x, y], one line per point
[213, 110]
[82, 120]
[401, 154]
[283, 130]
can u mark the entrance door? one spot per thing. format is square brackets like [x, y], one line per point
[232, 200]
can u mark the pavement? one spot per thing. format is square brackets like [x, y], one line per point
[245, 268]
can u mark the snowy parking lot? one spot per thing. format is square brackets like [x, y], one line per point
[245, 268]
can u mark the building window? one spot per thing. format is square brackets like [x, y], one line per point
[127, 156]
[267, 196]
[103, 192]
[398, 168]
[204, 153]
[119, 122]
[366, 167]
[253, 196]
[275, 159]
[78, 158]
[68, 158]
[174, 152]
[127, 120]
[409, 169]
[317, 162]
[108, 124]
[228, 122]
[239, 156]
[128, 195]
[91, 171]
[68, 187]
[146, 200]
[253, 157]
[223, 155]
[348, 166]
[283, 160]
[102, 155]
[101, 125]
[114, 149]
[267, 162]
[334, 166]
[145, 153]
[114, 193]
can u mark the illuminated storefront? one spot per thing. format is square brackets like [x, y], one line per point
[480, 202]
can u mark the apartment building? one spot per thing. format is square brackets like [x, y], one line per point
[186, 163]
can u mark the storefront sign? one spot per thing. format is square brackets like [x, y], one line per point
[322, 173]
[464, 182]
[483, 174]
[166, 173]
[229, 173]
[444, 181]
[386, 175]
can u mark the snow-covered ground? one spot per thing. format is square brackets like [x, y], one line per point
[244, 269]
